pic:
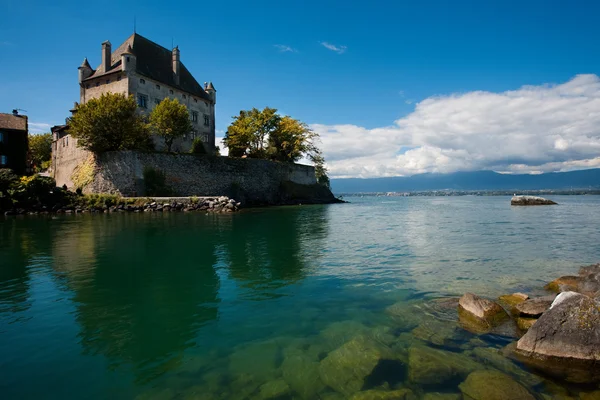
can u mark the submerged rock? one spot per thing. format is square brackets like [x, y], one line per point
[256, 359]
[525, 323]
[478, 314]
[513, 299]
[442, 396]
[534, 308]
[441, 333]
[493, 385]
[530, 201]
[274, 390]
[347, 368]
[494, 358]
[401, 394]
[565, 341]
[428, 366]
[301, 372]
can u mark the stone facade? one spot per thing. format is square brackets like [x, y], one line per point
[257, 181]
[151, 73]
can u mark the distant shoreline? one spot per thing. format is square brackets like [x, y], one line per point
[445, 193]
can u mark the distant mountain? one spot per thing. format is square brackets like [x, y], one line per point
[477, 180]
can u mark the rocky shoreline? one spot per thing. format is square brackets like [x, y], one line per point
[221, 204]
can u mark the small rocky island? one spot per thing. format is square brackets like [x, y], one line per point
[530, 201]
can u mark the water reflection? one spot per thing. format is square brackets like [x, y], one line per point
[144, 285]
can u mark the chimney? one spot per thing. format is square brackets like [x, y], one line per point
[15, 112]
[176, 65]
[106, 52]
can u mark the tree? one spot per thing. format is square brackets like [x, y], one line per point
[109, 123]
[170, 120]
[40, 150]
[249, 132]
[320, 170]
[291, 140]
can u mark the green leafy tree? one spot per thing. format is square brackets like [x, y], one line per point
[40, 150]
[170, 120]
[320, 170]
[198, 147]
[249, 132]
[291, 140]
[109, 123]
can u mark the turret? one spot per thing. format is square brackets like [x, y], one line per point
[212, 92]
[106, 52]
[85, 71]
[176, 65]
[128, 60]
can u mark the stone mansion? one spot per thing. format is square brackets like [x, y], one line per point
[150, 73]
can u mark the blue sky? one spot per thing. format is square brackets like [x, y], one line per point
[342, 66]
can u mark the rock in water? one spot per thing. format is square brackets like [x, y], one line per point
[477, 312]
[428, 366]
[346, 368]
[563, 284]
[513, 299]
[565, 341]
[401, 394]
[530, 201]
[534, 307]
[493, 385]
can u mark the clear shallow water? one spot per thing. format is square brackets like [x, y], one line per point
[200, 306]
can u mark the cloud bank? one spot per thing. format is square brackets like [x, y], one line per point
[39, 127]
[530, 130]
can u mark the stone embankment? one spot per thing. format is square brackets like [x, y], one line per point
[530, 201]
[222, 204]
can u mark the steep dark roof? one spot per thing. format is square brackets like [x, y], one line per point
[14, 122]
[155, 62]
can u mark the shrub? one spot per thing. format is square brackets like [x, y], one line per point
[198, 147]
[156, 183]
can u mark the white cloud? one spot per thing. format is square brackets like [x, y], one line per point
[39, 127]
[530, 130]
[332, 47]
[285, 49]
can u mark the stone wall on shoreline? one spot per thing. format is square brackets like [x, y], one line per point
[251, 181]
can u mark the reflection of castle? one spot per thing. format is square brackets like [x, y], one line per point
[145, 285]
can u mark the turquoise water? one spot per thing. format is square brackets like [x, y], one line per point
[187, 305]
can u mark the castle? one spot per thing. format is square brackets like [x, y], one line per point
[149, 72]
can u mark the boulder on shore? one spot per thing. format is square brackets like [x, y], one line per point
[513, 299]
[530, 201]
[534, 308]
[565, 341]
[587, 282]
[479, 314]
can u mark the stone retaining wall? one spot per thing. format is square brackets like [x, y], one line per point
[249, 180]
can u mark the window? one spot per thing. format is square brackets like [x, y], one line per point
[157, 101]
[97, 84]
[194, 116]
[195, 100]
[1, 137]
[142, 101]
[87, 86]
[142, 81]
[119, 77]
[205, 138]
[206, 120]
[107, 81]
[3, 160]
[184, 96]
[158, 87]
[171, 91]
[127, 59]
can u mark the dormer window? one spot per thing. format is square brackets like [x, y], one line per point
[195, 100]
[119, 78]
[143, 81]
[127, 58]
[87, 85]
[158, 87]
[184, 96]
[97, 84]
[171, 91]
[107, 81]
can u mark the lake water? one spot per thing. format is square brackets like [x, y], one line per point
[252, 305]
